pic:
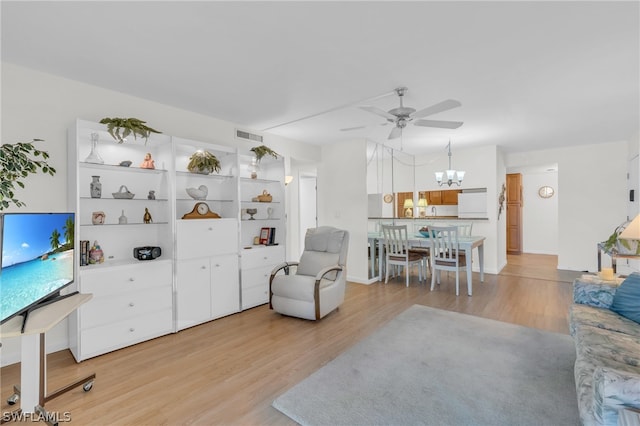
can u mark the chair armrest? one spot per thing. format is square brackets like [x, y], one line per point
[614, 390]
[281, 266]
[325, 271]
[599, 295]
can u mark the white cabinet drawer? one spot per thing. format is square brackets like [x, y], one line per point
[206, 237]
[256, 277]
[117, 280]
[262, 256]
[254, 296]
[99, 340]
[104, 310]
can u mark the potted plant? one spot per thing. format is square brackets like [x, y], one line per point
[16, 162]
[120, 128]
[261, 151]
[203, 162]
[620, 245]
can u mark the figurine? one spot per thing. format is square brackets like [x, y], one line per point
[147, 216]
[148, 162]
[95, 254]
[152, 195]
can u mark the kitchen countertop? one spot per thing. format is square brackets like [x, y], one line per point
[429, 218]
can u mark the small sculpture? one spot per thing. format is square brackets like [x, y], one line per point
[98, 218]
[148, 162]
[95, 254]
[199, 193]
[152, 195]
[122, 220]
[125, 163]
[147, 216]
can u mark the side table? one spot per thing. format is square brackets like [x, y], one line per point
[33, 374]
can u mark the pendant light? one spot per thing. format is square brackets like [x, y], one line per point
[451, 174]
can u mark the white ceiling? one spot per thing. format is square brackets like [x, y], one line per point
[529, 75]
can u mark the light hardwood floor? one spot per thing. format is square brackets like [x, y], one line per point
[229, 371]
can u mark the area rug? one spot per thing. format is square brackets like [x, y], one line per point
[433, 367]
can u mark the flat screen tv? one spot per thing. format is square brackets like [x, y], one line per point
[37, 260]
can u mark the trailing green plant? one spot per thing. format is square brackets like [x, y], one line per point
[120, 128]
[262, 150]
[202, 161]
[613, 240]
[17, 161]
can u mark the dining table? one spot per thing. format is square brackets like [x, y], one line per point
[465, 242]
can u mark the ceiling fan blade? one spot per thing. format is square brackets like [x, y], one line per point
[434, 109]
[439, 123]
[395, 133]
[378, 111]
[346, 129]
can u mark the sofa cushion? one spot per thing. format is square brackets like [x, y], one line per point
[297, 287]
[606, 346]
[585, 315]
[626, 301]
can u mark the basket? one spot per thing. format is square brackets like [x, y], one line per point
[265, 197]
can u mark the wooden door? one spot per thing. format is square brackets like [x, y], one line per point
[450, 197]
[434, 198]
[514, 213]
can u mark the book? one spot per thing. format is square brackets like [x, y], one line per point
[272, 236]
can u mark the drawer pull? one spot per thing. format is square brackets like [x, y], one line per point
[210, 229]
[132, 329]
[203, 267]
[265, 258]
[132, 279]
[217, 265]
[132, 304]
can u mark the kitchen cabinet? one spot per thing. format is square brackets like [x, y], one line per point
[447, 197]
[514, 213]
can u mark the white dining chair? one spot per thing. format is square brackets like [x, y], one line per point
[465, 229]
[397, 251]
[446, 255]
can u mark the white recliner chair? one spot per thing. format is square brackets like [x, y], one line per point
[318, 285]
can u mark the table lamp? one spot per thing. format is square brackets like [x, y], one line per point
[632, 231]
[422, 206]
[408, 208]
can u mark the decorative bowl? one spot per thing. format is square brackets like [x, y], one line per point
[427, 233]
[123, 193]
[199, 193]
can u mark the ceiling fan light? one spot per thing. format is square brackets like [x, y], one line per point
[460, 175]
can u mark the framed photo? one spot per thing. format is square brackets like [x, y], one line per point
[264, 235]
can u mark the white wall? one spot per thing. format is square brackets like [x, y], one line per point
[342, 200]
[592, 192]
[539, 215]
[39, 105]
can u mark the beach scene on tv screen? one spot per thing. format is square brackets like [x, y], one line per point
[37, 258]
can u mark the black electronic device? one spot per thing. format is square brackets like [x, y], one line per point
[147, 252]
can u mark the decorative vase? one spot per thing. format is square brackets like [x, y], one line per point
[122, 220]
[94, 157]
[98, 218]
[252, 212]
[95, 187]
[254, 168]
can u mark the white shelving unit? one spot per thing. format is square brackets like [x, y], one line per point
[209, 268]
[257, 261]
[207, 278]
[133, 299]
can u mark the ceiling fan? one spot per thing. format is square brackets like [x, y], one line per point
[403, 115]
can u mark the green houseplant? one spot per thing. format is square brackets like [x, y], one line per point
[261, 151]
[120, 128]
[17, 161]
[203, 162]
[622, 246]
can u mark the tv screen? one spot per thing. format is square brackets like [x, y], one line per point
[37, 260]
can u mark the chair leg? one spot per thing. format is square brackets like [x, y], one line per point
[407, 272]
[386, 279]
[457, 282]
[433, 280]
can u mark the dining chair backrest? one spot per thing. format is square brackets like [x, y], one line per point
[444, 244]
[465, 228]
[395, 239]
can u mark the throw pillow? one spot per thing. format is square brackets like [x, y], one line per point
[626, 301]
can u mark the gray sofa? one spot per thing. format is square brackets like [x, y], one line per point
[607, 368]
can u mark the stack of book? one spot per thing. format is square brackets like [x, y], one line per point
[268, 236]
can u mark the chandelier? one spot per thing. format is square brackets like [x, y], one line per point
[451, 174]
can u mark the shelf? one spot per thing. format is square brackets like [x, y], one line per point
[260, 202]
[245, 179]
[208, 199]
[124, 199]
[211, 176]
[116, 263]
[122, 224]
[257, 219]
[120, 168]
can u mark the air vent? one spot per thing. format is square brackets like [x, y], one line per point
[241, 134]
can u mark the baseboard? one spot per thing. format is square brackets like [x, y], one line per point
[359, 280]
